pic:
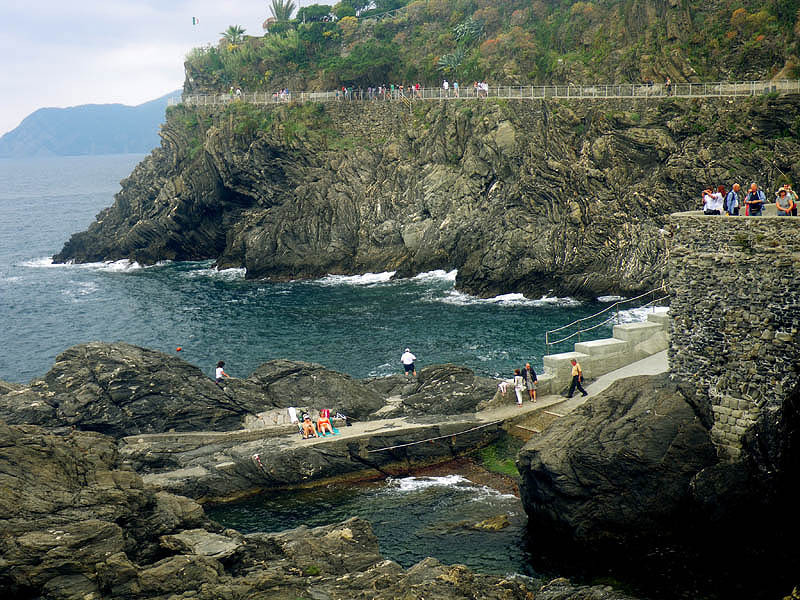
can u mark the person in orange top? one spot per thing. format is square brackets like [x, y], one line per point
[324, 422]
[577, 378]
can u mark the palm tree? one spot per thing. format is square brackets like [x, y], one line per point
[233, 34]
[282, 9]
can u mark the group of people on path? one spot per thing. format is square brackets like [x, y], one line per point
[752, 203]
[525, 379]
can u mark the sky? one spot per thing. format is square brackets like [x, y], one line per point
[67, 52]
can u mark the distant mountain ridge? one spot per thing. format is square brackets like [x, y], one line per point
[87, 129]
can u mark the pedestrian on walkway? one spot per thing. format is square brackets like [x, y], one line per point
[519, 385]
[529, 375]
[754, 201]
[577, 378]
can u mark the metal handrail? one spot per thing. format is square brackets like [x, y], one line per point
[614, 317]
[529, 92]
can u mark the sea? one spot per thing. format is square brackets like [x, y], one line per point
[357, 324]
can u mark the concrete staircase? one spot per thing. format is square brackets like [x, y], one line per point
[631, 342]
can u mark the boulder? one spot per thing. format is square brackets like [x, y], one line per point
[120, 389]
[618, 470]
[437, 390]
[292, 383]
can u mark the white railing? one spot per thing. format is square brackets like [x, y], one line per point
[608, 315]
[530, 92]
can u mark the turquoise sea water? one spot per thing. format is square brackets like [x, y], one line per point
[358, 325]
[412, 517]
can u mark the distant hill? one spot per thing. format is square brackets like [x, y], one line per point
[87, 129]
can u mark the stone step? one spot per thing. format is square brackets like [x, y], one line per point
[660, 316]
[604, 347]
[637, 332]
[554, 362]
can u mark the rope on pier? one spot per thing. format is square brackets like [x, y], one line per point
[435, 438]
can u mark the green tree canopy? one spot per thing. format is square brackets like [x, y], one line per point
[282, 9]
[313, 13]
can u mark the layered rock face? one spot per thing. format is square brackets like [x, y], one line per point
[75, 526]
[530, 196]
[120, 389]
[618, 468]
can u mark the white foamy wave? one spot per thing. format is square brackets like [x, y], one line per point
[410, 484]
[438, 275]
[461, 299]
[112, 266]
[84, 288]
[365, 279]
[610, 298]
[638, 315]
[223, 274]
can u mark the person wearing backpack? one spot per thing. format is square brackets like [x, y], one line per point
[732, 200]
[754, 201]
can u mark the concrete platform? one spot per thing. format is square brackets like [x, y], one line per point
[637, 332]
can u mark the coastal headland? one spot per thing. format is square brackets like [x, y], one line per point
[565, 197]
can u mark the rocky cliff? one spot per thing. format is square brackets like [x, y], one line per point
[530, 196]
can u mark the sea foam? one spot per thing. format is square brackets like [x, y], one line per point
[365, 279]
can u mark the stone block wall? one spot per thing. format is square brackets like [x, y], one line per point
[735, 316]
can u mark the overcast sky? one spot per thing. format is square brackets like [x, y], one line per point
[69, 52]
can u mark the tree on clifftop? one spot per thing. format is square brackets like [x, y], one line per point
[234, 34]
[282, 9]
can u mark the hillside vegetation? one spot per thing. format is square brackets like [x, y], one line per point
[508, 42]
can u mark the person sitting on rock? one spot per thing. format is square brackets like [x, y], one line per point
[220, 373]
[308, 427]
[324, 422]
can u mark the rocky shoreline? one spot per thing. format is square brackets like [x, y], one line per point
[92, 515]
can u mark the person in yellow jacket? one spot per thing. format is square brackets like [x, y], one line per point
[577, 378]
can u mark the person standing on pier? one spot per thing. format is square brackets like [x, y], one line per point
[519, 385]
[529, 375]
[577, 378]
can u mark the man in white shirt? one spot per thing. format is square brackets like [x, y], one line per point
[408, 362]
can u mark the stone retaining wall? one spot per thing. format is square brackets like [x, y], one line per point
[735, 315]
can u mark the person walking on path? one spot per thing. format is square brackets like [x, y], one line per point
[220, 373]
[754, 201]
[519, 385]
[408, 362]
[529, 375]
[577, 378]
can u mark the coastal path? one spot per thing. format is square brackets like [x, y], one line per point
[717, 89]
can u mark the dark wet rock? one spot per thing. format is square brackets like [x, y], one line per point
[7, 386]
[121, 389]
[225, 467]
[75, 526]
[437, 390]
[618, 469]
[293, 383]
